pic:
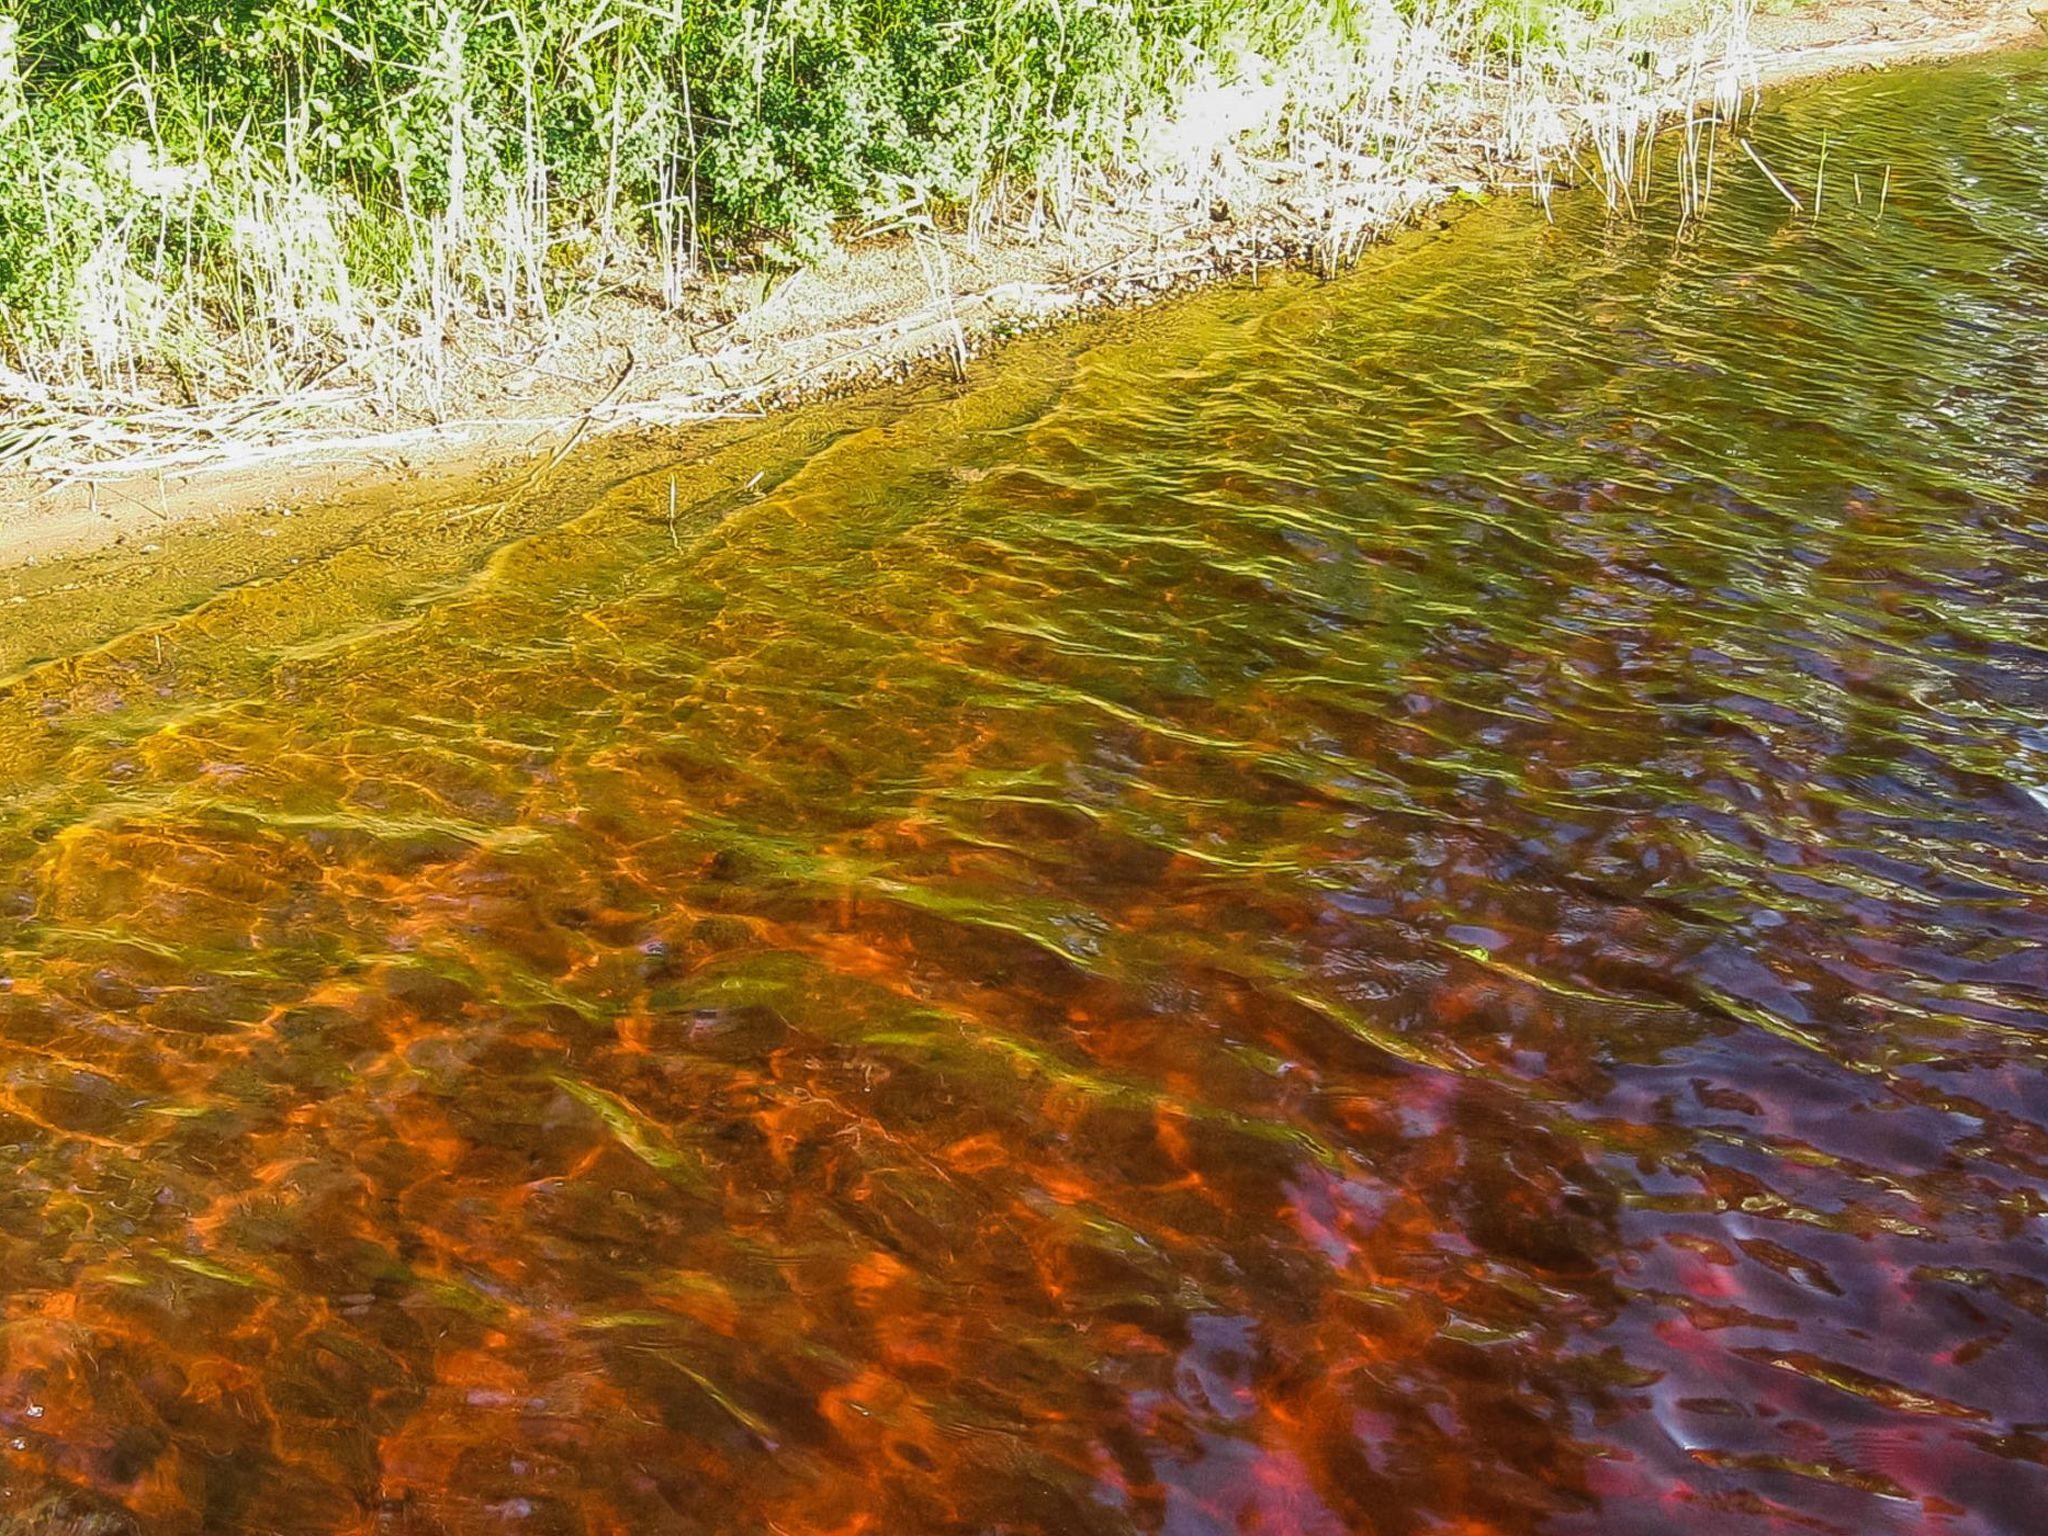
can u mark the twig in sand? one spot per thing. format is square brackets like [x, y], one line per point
[583, 422]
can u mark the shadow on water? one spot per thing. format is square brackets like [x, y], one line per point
[1412, 905]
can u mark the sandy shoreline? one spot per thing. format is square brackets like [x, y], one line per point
[878, 311]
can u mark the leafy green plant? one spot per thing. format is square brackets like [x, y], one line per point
[284, 169]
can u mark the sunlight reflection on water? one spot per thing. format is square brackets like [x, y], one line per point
[1413, 905]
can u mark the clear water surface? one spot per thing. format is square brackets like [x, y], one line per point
[1413, 905]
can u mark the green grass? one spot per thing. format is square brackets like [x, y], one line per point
[192, 184]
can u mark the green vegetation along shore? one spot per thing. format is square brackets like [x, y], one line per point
[235, 231]
[245, 192]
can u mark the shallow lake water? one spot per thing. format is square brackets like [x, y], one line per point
[1409, 905]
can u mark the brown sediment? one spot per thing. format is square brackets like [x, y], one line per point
[866, 315]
